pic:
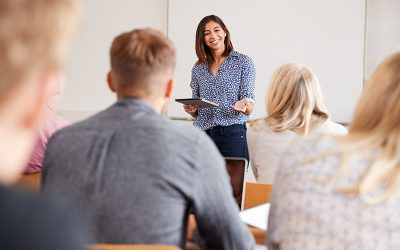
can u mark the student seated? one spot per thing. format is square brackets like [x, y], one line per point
[48, 127]
[135, 173]
[295, 109]
[33, 35]
[344, 192]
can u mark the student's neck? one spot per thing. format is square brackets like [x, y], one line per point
[157, 105]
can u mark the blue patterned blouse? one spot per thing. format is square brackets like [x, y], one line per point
[234, 81]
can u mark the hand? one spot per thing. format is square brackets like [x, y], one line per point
[242, 105]
[191, 109]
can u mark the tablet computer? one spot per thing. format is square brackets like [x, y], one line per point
[202, 103]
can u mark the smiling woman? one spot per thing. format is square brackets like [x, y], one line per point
[327, 36]
[226, 77]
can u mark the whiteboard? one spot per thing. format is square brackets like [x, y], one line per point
[86, 88]
[328, 36]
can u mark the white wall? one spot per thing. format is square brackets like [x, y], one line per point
[86, 90]
[327, 35]
[383, 31]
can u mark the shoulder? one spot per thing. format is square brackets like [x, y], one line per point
[57, 121]
[304, 160]
[28, 204]
[198, 68]
[53, 123]
[26, 217]
[308, 146]
[258, 126]
[330, 127]
[199, 71]
[261, 134]
[185, 139]
[302, 163]
[182, 131]
[242, 58]
[68, 130]
[72, 133]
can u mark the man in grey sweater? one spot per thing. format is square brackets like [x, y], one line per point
[136, 174]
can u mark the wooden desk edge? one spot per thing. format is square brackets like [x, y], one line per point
[259, 235]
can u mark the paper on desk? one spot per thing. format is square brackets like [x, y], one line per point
[256, 216]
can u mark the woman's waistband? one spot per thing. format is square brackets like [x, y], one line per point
[218, 127]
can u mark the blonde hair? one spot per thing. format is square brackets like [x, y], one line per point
[294, 100]
[376, 128]
[138, 56]
[34, 35]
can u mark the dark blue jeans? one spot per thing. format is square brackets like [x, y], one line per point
[230, 140]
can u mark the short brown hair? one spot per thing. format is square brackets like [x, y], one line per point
[34, 35]
[139, 55]
[203, 53]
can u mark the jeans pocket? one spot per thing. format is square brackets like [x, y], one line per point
[236, 131]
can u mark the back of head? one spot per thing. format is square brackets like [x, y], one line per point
[142, 60]
[294, 100]
[376, 128]
[34, 35]
[33, 38]
[378, 111]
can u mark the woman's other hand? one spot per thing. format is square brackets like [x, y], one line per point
[191, 109]
[244, 106]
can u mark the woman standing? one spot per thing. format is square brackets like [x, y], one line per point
[226, 77]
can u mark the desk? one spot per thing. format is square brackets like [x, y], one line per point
[258, 234]
[30, 182]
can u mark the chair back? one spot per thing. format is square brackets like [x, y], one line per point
[131, 247]
[256, 194]
[30, 182]
[237, 169]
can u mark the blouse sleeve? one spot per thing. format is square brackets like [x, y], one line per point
[194, 83]
[248, 78]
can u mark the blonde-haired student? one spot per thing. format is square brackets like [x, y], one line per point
[33, 39]
[295, 109]
[344, 192]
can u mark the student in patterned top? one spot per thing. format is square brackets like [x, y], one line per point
[344, 192]
[226, 77]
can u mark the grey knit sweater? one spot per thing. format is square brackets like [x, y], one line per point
[136, 174]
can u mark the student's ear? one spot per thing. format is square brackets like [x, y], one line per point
[169, 88]
[110, 82]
